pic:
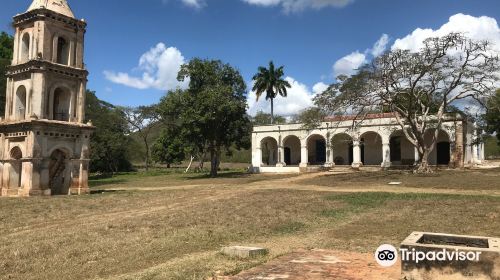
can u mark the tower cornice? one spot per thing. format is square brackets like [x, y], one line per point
[43, 65]
[44, 14]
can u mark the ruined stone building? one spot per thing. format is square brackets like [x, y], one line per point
[44, 140]
[377, 140]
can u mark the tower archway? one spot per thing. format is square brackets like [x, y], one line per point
[59, 172]
[25, 48]
[16, 168]
[20, 103]
[61, 105]
[62, 51]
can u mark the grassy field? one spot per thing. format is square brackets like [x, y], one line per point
[447, 179]
[170, 225]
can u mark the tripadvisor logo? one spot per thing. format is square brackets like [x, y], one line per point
[387, 255]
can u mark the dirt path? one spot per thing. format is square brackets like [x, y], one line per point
[321, 264]
[297, 183]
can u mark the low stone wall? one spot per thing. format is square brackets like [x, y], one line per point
[485, 267]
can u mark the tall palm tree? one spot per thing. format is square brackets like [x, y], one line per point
[272, 83]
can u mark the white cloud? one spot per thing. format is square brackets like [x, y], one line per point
[194, 3]
[299, 98]
[319, 88]
[380, 46]
[478, 28]
[349, 64]
[300, 5]
[159, 67]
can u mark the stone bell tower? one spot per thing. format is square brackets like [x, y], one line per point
[44, 142]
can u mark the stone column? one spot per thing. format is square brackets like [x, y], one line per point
[75, 172]
[304, 156]
[84, 177]
[475, 148]
[1, 179]
[329, 157]
[257, 158]
[417, 156]
[481, 152]
[459, 145]
[281, 156]
[8, 101]
[329, 154]
[35, 166]
[356, 164]
[81, 102]
[17, 45]
[386, 155]
[475, 152]
[44, 177]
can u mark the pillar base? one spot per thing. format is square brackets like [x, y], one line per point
[386, 165]
[356, 165]
[79, 191]
[40, 192]
[303, 165]
[280, 164]
[329, 164]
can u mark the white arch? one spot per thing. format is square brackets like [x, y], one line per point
[49, 110]
[25, 47]
[269, 150]
[292, 146]
[341, 144]
[64, 148]
[372, 148]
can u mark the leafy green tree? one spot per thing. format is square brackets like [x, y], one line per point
[270, 80]
[6, 50]
[169, 148]
[142, 120]
[210, 116]
[262, 118]
[109, 141]
[492, 116]
[310, 118]
[419, 87]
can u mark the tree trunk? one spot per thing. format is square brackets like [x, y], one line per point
[213, 162]
[422, 166]
[202, 161]
[218, 158]
[272, 110]
[189, 166]
[147, 153]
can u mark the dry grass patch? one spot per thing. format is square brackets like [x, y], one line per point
[444, 179]
[121, 233]
[164, 178]
[175, 233]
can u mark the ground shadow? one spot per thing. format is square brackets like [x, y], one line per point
[103, 182]
[105, 191]
[223, 175]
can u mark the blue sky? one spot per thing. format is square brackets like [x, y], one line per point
[309, 37]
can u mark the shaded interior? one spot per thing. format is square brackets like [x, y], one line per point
[453, 241]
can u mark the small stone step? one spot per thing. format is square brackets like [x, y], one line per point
[244, 252]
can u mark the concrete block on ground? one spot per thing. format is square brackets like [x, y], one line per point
[485, 265]
[244, 252]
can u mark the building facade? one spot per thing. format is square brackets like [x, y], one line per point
[377, 140]
[44, 140]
